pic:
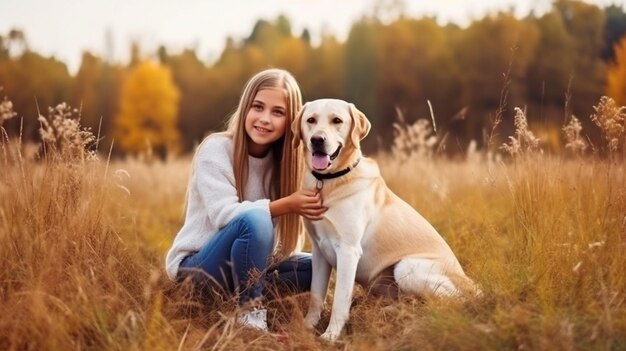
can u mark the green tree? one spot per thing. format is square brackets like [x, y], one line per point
[33, 83]
[148, 111]
[109, 90]
[268, 36]
[86, 91]
[95, 91]
[326, 74]
[361, 67]
[615, 29]
[550, 69]
[293, 54]
[491, 52]
[585, 24]
[419, 66]
[199, 97]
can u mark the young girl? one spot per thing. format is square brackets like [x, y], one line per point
[243, 201]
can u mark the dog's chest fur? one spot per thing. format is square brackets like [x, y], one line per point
[343, 226]
[327, 243]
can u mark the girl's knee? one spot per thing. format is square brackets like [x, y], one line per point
[255, 218]
[257, 222]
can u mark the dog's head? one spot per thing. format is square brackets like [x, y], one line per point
[331, 131]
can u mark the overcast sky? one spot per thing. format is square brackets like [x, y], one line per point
[64, 28]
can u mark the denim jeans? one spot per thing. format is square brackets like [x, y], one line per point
[236, 260]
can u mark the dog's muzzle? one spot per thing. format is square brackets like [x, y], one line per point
[321, 160]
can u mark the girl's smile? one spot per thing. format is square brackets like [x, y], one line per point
[262, 130]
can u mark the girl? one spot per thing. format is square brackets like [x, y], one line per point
[243, 201]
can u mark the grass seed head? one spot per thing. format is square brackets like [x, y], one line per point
[611, 119]
[6, 111]
[63, 137]
[574, 142]
[524, 141]
[413, 140]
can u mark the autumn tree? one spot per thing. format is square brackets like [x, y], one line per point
[616, 74]
[199, 97]
[293, 55]
[326, 72]
[388, 60]
[269, 35]
[586, 24]
[148, 111]
[398, 81]
[361, 67]
[418, 67]
[549, 73]
[615, 29]
[33, 83]
[551, 67]
[96, 91]
[494, 55]
[85, 90]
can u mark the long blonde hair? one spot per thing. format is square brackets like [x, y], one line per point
[288, 164]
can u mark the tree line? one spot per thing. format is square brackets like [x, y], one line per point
[553, 66]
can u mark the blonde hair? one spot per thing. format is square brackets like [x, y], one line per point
[288, 164]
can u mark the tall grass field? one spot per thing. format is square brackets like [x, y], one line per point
[83, 239]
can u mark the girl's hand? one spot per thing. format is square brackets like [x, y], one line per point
[307, 203]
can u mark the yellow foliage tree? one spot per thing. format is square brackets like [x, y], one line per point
[148, 111]
[616, 74]
[292, 54]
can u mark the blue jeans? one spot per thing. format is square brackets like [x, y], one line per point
[236, 260]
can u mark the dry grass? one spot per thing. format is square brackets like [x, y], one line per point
[83, 242]
[611, 119]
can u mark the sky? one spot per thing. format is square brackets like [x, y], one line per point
[66, 28]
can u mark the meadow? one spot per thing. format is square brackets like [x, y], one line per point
[83, 239]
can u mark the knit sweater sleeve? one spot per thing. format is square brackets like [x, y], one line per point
[215, 183]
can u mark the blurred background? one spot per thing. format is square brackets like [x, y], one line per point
[161, 75]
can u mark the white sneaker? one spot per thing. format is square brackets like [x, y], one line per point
[255, 319]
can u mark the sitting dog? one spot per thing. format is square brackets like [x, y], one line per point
[368, 234]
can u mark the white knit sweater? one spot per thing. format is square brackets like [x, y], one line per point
[212, 200]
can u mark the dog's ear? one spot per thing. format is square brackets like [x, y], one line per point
[360, 125]
[296, 129]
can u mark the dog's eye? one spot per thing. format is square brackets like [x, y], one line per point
[337, 120]
[311, 120]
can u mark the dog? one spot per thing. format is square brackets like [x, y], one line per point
[368, 234]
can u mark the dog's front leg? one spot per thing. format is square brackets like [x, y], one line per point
[347, 260]
[319, 286]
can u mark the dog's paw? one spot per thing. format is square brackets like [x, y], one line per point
[330, 335]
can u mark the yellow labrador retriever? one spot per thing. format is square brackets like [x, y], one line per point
[369, 235]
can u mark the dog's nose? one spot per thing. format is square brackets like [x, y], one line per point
[317, 141]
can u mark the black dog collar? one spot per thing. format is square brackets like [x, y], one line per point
[324, 176]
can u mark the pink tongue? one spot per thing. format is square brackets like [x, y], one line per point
[321, 162]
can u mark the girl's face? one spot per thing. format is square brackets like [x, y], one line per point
[266, 120]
